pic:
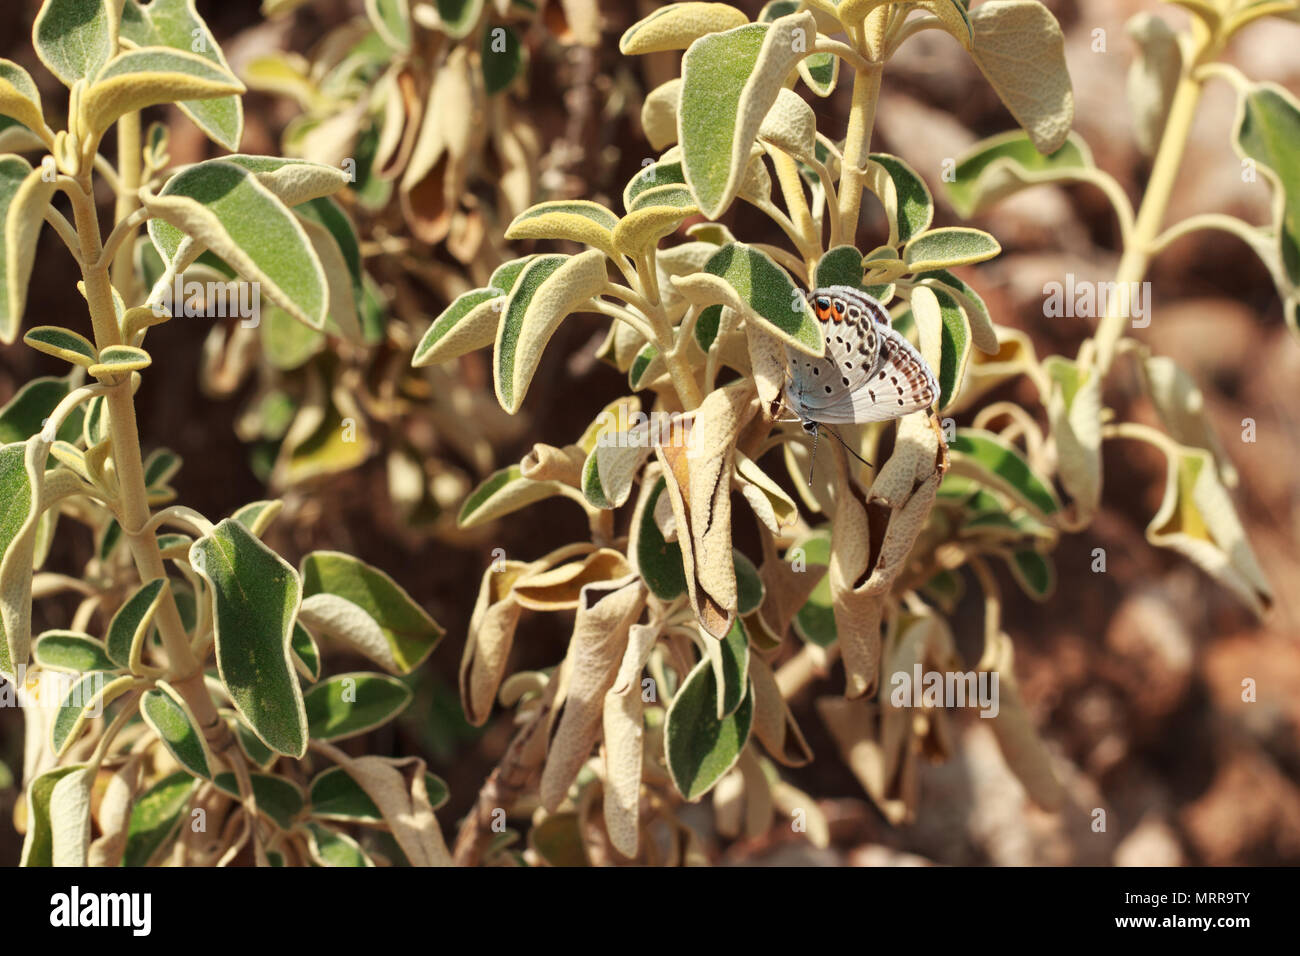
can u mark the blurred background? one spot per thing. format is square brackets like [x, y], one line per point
[1134, 676]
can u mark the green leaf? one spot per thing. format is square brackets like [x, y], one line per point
[160, 466]
[469, 323]
[574, 219]
[278, 799]
[336, 796]
[24, 196]
[131, 623]
[500, 494]
[815, 621]
[549, 288]
[819, 71]
[907, 201]
[1034, 573]
[295, 182]
[136, 79]
[699, 747]
[993, 461]
[647, 365]
[334, 233]
[225, 208]
[408, 632]
[75, 38]
[459, 16]
[749, 586]
[156, 818]
[674, 26]
[729, 82]
[19, 97]
[748, 281]
[119, 359]
[19, 496]
[255, 595]
[286, 342]
[707, 325]
[86, 698]
[24, 415]
[654, 213]
[94, 427]
[71, 652]
[392, 21]
[938, 317]
[1074, 415]
[331, 848]
[948, 246]
[62, 343]
[258, 752]
[730, 660]
[982, 333]
[840, 266]
[1268, 131]
[305, 652]
[166, 712]
[665, 172]
[659, 562]
[347, 705]
[38, 844]
[1005, 164]
[502, 58]
[176, 24]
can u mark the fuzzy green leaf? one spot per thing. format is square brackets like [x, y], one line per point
[75, 38]
[994, 462]
[1268, 132]
[226, 208]
[346, 705]
[131, 623]
[1002, 165]
[176, 24]
[71, 652]
[156, 818]
[255, 595]
[699, 747]
[549, 289]
[748, 281]
[948, 246]
[408, 632]
[166, 712]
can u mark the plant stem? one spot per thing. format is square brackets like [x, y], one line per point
[857, 146]
[1139, 250]
[129, 162]
[679, 368]
[133, 504]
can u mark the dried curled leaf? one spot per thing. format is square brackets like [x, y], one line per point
[606, 611]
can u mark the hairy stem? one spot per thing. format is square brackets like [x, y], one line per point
[133, 504]
[129, 162]
[1142, 245]
[857, 146]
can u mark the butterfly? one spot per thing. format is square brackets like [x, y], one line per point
[869, 372]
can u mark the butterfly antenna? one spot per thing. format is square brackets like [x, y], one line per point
[848, 449]
[813, 463]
